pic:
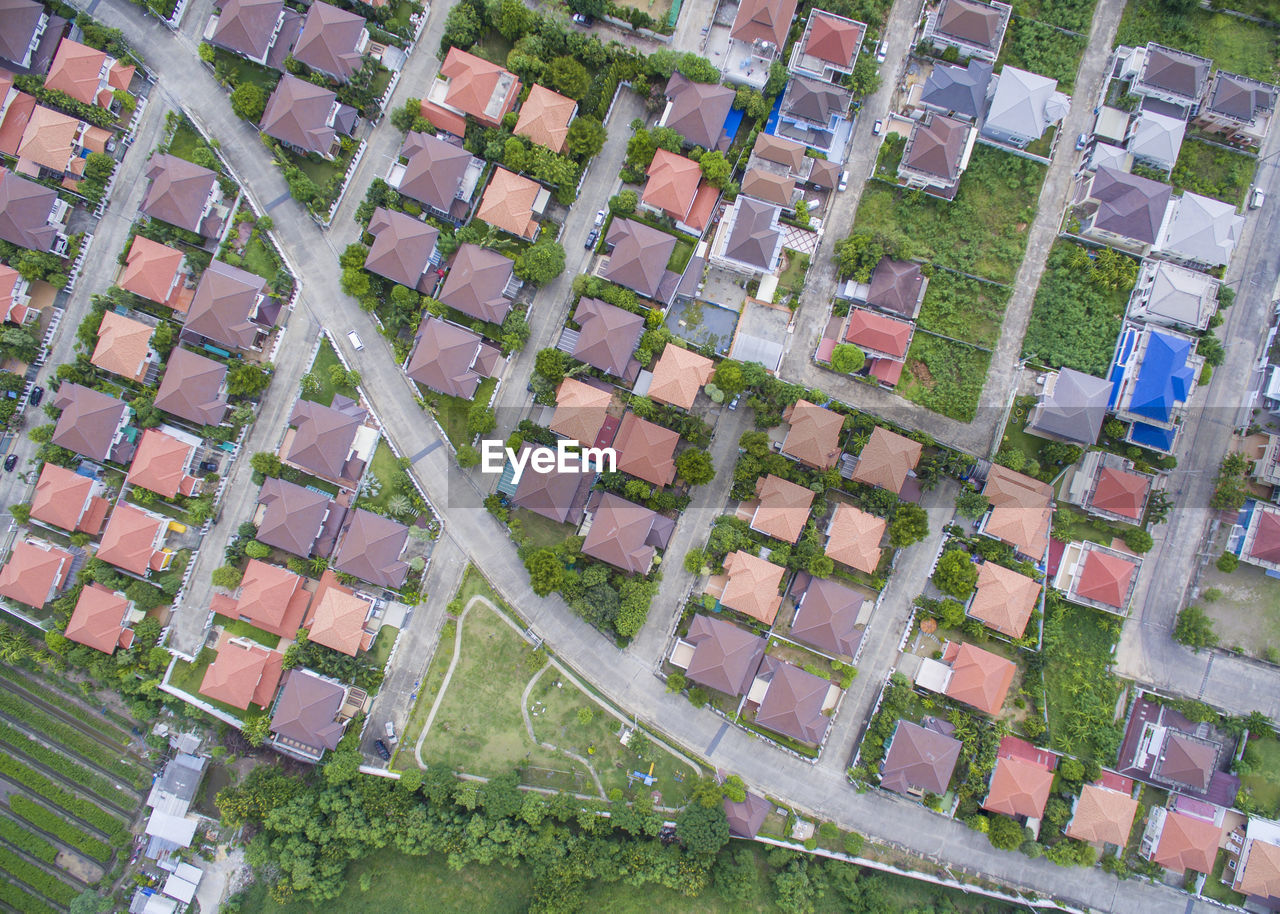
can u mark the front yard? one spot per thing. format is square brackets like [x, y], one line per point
[452, 412]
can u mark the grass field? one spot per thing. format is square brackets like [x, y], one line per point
[324, 362]
[1074, 320]
[1263, 755]
[1246, 613]
[186, 140]
[1212, 171]
[963, 308]
[1040, 48]
[1234, 44]
[541, 531]
[944, 376]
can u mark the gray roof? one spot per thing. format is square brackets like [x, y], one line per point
[919, 758]
[192, 388]
[815, 101]
[307, 710]
[962, 90]
[293, 516]
[329, 39]
[18, 22]
[754, 239]
[1202, 230]
[1170, 294]
[246, 26]
[1240, 97]
[433, 171]
[1157, 137]
[177, 191]
[25, 207]
[698, 110]
[180, 779]
[895, 286]
[1076, 407]
[322, 442]
[640, 255]
[725, 657]
[1129, 205]
[221, 308]
[371, 549]
[608, 336]
[1177, 72]
[1025, 103]
[477, 282]
[298, 114]
[402, 248]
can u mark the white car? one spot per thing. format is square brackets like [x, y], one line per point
[880, 53]
[600, 217]
[354, 338]
[844, 181]
[1256, 199]
[876, 128]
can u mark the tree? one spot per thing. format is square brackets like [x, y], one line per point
[1137, 539]
[256, 550]
[716, 168]
[910, 525]
[695, 467]
[847, 358]
[248, 379]
[1194, 629]
[461, 27]
[1231, 490]
[728, 377]
[1004, 833]
[256, 729]
[480, 419]
[586, 137]
[226, 577]
[734, 790]
[541, 262]
[89, 902]
[550, 363]
[702, 829]
[698, 69]
[1227, 562]
[1258, 724]
[694, 561]
[266, 463]
[624, 203]
[511, 18]
[545, 571]
[568, 77]
[865, 78]
[971, 503]
[248, 101]
[468, 456]
[751, 102]
[857, 255]
[956, 574]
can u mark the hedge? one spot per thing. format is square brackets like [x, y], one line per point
[23, 901]
[26, 841]
[60, 828]
[81, 809]
[58, 732]
[56, 761]
[47, 885]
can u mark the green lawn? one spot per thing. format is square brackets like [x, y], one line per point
[321, 367]
[1015, 436]
[1263, 782]
[186, 140]
[1233, 44]
[386, 467]
[1070, 525]
[791, 280]
[681, 256]
[1080, 690]
[238, 70]
[963, 308]
[239, 628]
[1216, 889]
[260, 259]
[944, 376]
[452, 411]
[380, 650]
[493, 47]
[1075, 320]
[1212, 171]
[542, 531]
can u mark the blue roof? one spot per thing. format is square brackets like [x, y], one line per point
[733, 122]
[1164, 377]
[1152, 436]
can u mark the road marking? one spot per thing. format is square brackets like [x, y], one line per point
[715, 741]
[425, 451]
[277, 201]
[1204, 683]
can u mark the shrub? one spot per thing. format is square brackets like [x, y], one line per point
[1194, 629]
[847, 358]
[1227, 562]
[956, 574]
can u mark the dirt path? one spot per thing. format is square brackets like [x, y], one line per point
[528, 726]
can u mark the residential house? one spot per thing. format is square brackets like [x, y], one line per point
[1155, 373]
[86, 74]
[438, 174]
[1201, 232]
[957, 92]
[1173, 296]
[450, 359]
[625, 535]
[1180, 842]
[1259, 543]
[898, 287]
[887, 459]
[746, 818]
[557, 496]
[678, 375]
[1022, 107]
[749, 238]
[332, 41]
[646, 451]
[158, 273]
[1003, 599]
[306, 719]
[294, 518]
[481, 283]
[231, 308]
[243, 673]
[1020, 512]
[193, 388]
[545, 117]
[134, 540]
[35, 573]
[674, 187]
[1102, 816]
[638, 257]
[124, 347]
[973, 28]
[32, 216]
[69, 500]
[1021, 781]
[719, 655]
[270, 597]
[101, 619]
[1162, 747]
[371, 548]
[513, 204]
[781, 508]
[829, 47]
[751, 586]
[1107, 485]
[264, 31]
[172, 825]
[403, 250]
[183, 194]
[1257, 865]
[15, 297]
[607, 338]
[307, 117]
[1070, 407]
[92, 423]
[331, 442]
[1266, 469]
[469, 86]
[827, 617]
[770, 187]
[1155, 139]
[936, 154]
[55, 145]
[698, 112]
[781, 156]
[24, 27]
[1167, 74]
[1238, 109]
[794, 701]
[813, 434]
[884, 340]
[920, 759]
[854, 537]
[756, 40]
[338, 617]
[1124, 210]
[582, 411]
[816, 113]
[1098, 576]
[978, 678]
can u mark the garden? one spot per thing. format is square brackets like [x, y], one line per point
[1234, 44]
[944, 375]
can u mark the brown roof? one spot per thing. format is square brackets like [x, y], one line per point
[975, 23]
[473, 83]
[89, 420]
[725, 657]
[451, 359]
[1187, 843]
[545, 117]
[273, 598]
[224, 302]
[814, 436]
[886, 459]
[764, 20]
[827, 617]
[329, 41]
[100, 619]
[48, 138]
[247, 26]
[754, 238]
[1020, 510]
[338, 616]
[780, 150]
[1018, 788]
[325, 434]
[65, 499]
[745, 818]
[752, 586]
[698, 111]
[1186, 761]
[151, 270]
[76, 70]
[833, 38]
[19, 20]
[640, 256]
[783, 508]
[1004, 599]
[307, 711]
[879, 333]
[896, 285]
[178, 191]
[646, 450]
[608, 336]
[192, 388]
[25, 208]
[293, 515]
[1120, 492]
[853, 538]
[298, 114]
[433, 171]
[1102, 815]
[129, 540]
[1105, 579]
[672, 183]
[581, 410]
[242, 673]
[560, 497]
[477, 282]
[678, 375]
[160, 464]
[371, 549]
[1260, 877]
[935, 147]
[980, 678]
[770, 187]
[35, 572]
[508, 203]
[402, 248]
[625, 535]
[792, 704]
[123, 346]
[919, 759]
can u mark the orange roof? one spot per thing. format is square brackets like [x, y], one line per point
[473, 82]
[16, 118]
[123, 346]
[1261, 874]
[1120, 492]
[48, 138]
[646, 450]
[508, 204]
[9, 278]
[77, 69]
[160, 464]
[580, 410]
[752, 587]
[1105, 578]
[337, 616]
[672, 185]
[678, 376]
[704, 205]
[99, 619]
[64, 499]
[886, 459]
[242, 674]
[783, 508]
[1018, 788]
[1020, 510]
[980, 678]
[853, 538]
[34, 573]
[129, 540]
[878, 332]
[833, 38]
[1187, 843]
[1102, 815]
[545, 117]
[1004, 599]
[814, 436]
[272, 598]
[151, 270]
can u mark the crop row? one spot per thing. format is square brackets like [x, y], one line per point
[26, 841]
[20, 900]
[47, 885]
[30, 778]
[56, 761]
[115, 727]
[56, 731]
[60, 828]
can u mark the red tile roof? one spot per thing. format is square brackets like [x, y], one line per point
[980, 678]
[76, 70]
[678, 376]
[35, 572]
[752, 587]
[814, 435]
[878, 333]
[1105, 578]
[1020, 510]
[580, 410]
[508, 204]
[646, 450]
[853, 538]
[545, 117]
[63, 499]
[1102, 815]
[129, 540]
[272, 598]
[1120, 492]
[672, 185]
[1004, 599]
[1187, 843]
[1266, 542]
[242, 674]
[473, 83]
[123, 346]
[99, 619]
[337, 617]
[152, 271]
[1260, 877]
[1018, 788]
[783, 508]
[886, 459]
[160, 464]
[764, 20]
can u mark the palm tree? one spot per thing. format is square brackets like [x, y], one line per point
[399, 504]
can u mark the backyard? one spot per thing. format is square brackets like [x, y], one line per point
[963, 308]
[1076, 316]
[1233, 44]
[944, 376]
[1245, 608]
[1262, 780]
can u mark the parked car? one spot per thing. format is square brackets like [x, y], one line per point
[1256, 199]
[584, 21]
[733, 404]
[600, 217]
[37, 394]
[208, 466]
[592, 239]
[390, 729]
[383, 752]
[10, 462]
[876, 128]
[880, 53]
[844, 181]
[1082, 141]
[355, 340]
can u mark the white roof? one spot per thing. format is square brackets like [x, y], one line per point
[1202, 230]
[188, 872]
[1157, 137]
[748, 348]
[933, 675]
[1104, 154]
[181, 889]
[172, 828]
[1025, 103]
[1172, 294]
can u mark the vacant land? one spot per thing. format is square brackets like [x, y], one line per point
[1076, 318]
[1246, 608]
[1212, 171]
[944, 376]
[1040, 48]
[1080, 692]
[1232, 43]
[1068, 14]
[963, 308]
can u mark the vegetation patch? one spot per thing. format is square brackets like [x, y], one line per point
[1040, 48]
[1212, 171]
[1080, 690]
[963, 308]
[1234, 44]
[944, 376]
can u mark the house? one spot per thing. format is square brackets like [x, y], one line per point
[231, 308]
[35, 573]
[86, 74]
[794, 701]
[678, 375]
[557, 496]
[973, 28]
[66, 499]
[827, 617]
[1181, 842]
[898, 287]
[481, 283]
[164, 461]
[331, 442]
[829, 47]
[513, 204]
[1173, 296]
[1266, 469]
[1162, 747]
[1020, 512]
[305, 720]
[1124, 210]
[370, 549]
[243, 673]
[816, 113]
[270, 597]
[1260, 543]
[307, 117]
[1003, 599]
[332, 41]
[770, 187]
[756, 40]
[813, 434]
[469, 86]
[1153, 383]
[1020, 785]
[887, 459]
[32, 216]
[101, 620]
[338, 617]
[193, 388]
[92, 423]
[781, 156]
[1023, 105]
[545, 117]
[184, 194]
[719, 655]
[698, 112]
[752, 586]
[1201, 232]
[156, 272]
[781, 508]
[1237, 108]
[978, 678]
[885, 341]
[1257, 871]
[1155, 139]
[124, 347]
[919, 759]
[607, 338]
[404, 250]
[1071, 407]
[626, 535]
[749, 238]
[15, 297]
[264, 31]
[1098, 576]
[1169, 75]
[1102, 816]
[936, 154]
[674, 187]
[450, 359]
[172, 825]
[957, 92]
[292, 517]
[134, 540]
[1107, 485]
[638, 256]
[746, 818]
[438, 174]
[646, 450]
[55, 145]
[582, 410]
[24, 27]
[853, 538]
